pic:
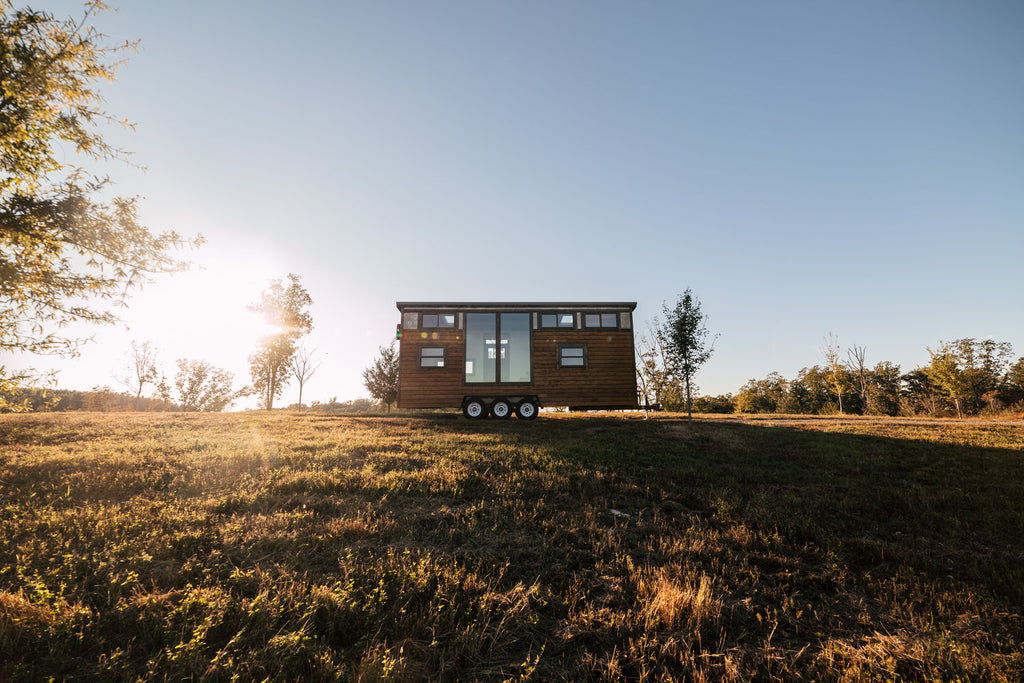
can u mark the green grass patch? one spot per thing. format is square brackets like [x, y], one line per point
[298, 546]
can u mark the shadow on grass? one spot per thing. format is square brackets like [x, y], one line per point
[950, 510]
[621, 549]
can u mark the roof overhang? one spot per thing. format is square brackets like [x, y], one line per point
[514, 305]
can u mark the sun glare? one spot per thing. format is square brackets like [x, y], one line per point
[205, 315]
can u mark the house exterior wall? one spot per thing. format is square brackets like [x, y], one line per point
[607, 378]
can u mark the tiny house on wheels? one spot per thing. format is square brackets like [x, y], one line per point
[499, 358]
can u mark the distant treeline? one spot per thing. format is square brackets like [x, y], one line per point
[105, 400]
[99, 399]
[962, 379]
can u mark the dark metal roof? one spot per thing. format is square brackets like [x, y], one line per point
[506, 305]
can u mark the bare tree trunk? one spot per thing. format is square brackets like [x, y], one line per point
[689, 401]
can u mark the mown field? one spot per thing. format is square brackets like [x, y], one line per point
[293, 546]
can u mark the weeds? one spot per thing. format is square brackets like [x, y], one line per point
[296, 546]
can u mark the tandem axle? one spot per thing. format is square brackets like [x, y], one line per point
[501, 407]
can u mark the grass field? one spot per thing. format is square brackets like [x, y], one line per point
[294, 546]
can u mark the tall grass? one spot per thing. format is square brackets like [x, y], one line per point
[423, 547]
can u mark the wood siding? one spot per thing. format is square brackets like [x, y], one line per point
[607, 381]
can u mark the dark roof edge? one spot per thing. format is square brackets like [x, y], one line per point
[631, 305]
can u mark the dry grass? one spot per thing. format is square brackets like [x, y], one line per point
[314, 547]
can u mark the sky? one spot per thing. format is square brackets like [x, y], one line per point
[805, 168]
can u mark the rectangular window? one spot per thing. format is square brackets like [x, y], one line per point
[432, 356]
[556, 320]
[607, 320]
[572, 356]
[428, 320]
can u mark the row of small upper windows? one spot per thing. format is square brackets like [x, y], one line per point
[546, 320]
[437, 320]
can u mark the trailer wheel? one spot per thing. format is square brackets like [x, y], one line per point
[474, 408]
[526, 409]
[501, 409]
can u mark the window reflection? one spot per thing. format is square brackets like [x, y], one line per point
[515, 347]
[481, 333]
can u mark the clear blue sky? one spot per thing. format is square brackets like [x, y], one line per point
[804, 167]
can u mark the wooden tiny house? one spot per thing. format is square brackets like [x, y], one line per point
[496, 358]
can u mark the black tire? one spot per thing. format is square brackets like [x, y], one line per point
[474, 408]
[526, 409]
[501, 409]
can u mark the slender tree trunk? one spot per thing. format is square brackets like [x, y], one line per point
[689, 401]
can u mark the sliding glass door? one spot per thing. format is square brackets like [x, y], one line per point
[498, 348]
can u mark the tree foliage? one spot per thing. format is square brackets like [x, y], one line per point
[381, 378]
[285, 307]
[65, 256]
[763, 396]
[1012, 391]
[967, 370]
[203, 387]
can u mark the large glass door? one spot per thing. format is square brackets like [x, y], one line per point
[515, 347]
[498, 347]
[481, 333]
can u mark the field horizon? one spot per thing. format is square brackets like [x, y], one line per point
[292, 545]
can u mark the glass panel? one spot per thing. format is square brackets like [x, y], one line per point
[565, 320]
[592, 320]
[515, 347]
[428, 320]
[571, 357]
[547, 320]
[431, 357]
[446, 320]
[609, 320]
[480, 336]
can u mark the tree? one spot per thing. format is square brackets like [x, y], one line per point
[684, 336]
[141, 368]
[203, 387]
[857, 366]
[836, 372]
[947, 375]
[652, 377]
[762, 396]
[809, 393]
[884, 389]
[1012, 390]
[381, 378]
[303, 368]
[919, 394]
[284, 307]
[64, 256]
